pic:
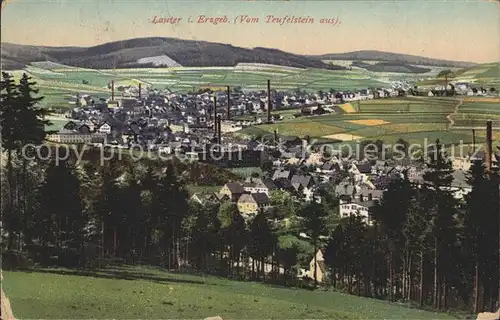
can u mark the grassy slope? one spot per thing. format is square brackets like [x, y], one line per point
[151, 293]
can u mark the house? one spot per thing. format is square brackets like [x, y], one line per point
[259, 186]
[304, 184]
[251, 203]
[364, 168]
[329, 167]
[360, 205]
[283, 184]
[232, 190]
[321, 271]
[105, 128]
[70, 126]
[304, 181]
[281, 174]
[76, 138]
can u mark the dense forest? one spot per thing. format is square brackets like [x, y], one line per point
[425, 247]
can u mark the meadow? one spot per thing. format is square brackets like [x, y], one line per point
[125, 292]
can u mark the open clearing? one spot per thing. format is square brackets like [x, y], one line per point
[348, 108]
[369, 122]
[343, 137]
[150, 293]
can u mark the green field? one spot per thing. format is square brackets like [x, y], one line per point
[150, 293]
[413, 119]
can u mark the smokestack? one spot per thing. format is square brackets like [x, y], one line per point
[219, 130]
[228, 102]
[473, 140]
[112, 90]
[139, 91]
[268, 100]
[215, 114]
[488, 153]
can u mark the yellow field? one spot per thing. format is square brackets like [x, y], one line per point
[343, 137]
[481, 99]
[348, 108]
[416, 127]
[369, 122]
[300, 129]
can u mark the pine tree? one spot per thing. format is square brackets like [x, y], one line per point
[390, 215]
[31, 131]
[9, 122]
[333, 254]
[438, 180]
[61, 216]
[262, 240]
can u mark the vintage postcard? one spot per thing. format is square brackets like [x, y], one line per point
[239, 159]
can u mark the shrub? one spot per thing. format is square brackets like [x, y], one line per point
[15, 260]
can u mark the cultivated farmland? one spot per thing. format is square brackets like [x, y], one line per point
[58, 81]
[413, 119]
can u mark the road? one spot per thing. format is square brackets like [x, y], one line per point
[455, 111]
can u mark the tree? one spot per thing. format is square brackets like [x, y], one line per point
[438, 180]
[133, 212]
[107, 205]
[61, 218]
[481, 226]
[171, 205]
[390, 216]
[334, 253]
[415, 232]
[31, 131]
[313, 216]
[284, 202]
[262, 241]
[233, 232]
[354, 252]
[203, 232]
[10, 119]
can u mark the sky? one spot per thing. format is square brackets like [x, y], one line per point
[452, 30]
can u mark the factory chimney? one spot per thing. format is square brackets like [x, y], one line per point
[139, 91]
[489, 151]
[219, 130]
[473, 141]
[228, 103]
[268, 100]
[215, 114]
[112, 90]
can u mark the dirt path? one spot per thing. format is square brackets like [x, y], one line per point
[454, 113]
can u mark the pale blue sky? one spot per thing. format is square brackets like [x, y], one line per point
[455, 30]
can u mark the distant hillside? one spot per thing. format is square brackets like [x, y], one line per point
[487, 75]
[397, 67]
[131, 54]
[487, 70]
[373, 55]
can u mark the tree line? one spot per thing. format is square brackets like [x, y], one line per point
[425, 245]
